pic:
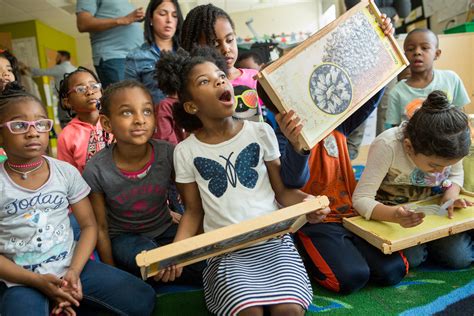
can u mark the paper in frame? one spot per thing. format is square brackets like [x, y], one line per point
[229, 238]
[331, 74]
[390, 237]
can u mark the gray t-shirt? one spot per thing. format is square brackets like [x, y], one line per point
[34, 225]
[133, 205]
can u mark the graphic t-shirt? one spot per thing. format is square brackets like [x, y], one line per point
[232, 177]
[248, 105]
[34, 225]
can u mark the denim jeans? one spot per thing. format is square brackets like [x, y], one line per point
[455, 252]
[110, 71]
[126, 247]
[105, 288]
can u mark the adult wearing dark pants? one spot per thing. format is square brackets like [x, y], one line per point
[113, 33]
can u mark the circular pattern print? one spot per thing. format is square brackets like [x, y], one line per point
[330, 88]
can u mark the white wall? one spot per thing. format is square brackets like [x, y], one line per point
[289, 18]
[84, 52]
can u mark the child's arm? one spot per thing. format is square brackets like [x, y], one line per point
[103, 240]
[190, 224]
[48, 284]
[456, 177]
[287, 197]
[379, 160]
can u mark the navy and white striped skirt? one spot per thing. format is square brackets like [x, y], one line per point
[264, 274]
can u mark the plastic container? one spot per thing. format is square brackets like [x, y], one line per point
[462, 28]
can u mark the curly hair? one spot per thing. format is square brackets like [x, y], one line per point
[148, 27]
[439, 129]
[175, 68]
[199, 25]
[13, 62]
[13, 94]
[111, 90]
[64, 85]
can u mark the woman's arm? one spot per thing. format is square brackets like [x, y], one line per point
[103, 240]
[86, 22]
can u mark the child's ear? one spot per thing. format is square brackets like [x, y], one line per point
[65, 102]
[190, 107]
[437, 53]
[105, 122]
[408, 146]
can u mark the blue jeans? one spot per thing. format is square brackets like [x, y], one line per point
[126, 247]
[455, 252]
[105, 288]
[110, 71]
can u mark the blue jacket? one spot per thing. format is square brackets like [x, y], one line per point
[140, 65]
[294, 166]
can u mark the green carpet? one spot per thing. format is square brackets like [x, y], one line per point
[423, 292]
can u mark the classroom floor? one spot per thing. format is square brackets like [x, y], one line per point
[425, 291]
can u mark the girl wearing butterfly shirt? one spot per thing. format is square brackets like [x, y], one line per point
[130, 180]
[223, 161]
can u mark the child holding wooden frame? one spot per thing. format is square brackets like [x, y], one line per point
[413, 161]
[224, 161]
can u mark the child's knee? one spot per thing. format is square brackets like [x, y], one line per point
[144, 300]
[348, 280]
[455, 252]
[416, 255]
[287, 310]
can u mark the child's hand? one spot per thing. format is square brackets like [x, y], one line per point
[169, 274]
[176, 217]
[290, 125]
[408, 218]
[63, 308]
[387, 26]
[317, 216]
[50, 285]
[458, 203]
[72, 284]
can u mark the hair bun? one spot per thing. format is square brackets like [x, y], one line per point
[437, 101]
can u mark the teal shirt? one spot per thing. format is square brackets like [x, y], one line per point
[402, 94]
[115, 42]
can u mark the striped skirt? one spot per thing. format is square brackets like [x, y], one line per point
[264, 274]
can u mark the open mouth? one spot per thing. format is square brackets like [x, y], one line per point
[226, 96]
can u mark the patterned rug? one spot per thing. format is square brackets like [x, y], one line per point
[425, 291]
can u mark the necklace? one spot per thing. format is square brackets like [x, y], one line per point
[26, 165]
[24, 175]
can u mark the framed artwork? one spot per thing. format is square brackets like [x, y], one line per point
[331, 74]
[229, 238]
[390, 237]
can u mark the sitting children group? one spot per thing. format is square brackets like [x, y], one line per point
[121, 202]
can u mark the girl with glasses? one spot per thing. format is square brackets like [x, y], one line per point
[80, 92]
[41, 264]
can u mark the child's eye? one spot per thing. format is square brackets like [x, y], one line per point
[203, 82]
[126, 113]
[222, 76]
[147, 112]
[230, 40]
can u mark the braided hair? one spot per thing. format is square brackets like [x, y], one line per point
[13, 94]
[106, 99]
[175, 68]
[64, 86]
[199, 26]
[439, 129]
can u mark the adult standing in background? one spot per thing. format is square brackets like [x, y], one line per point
[62, 67]
[394, 9]
[113, 33]
[163, 22]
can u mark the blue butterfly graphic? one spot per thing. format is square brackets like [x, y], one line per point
[212, 170]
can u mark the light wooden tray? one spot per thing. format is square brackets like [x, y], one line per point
[229, 238]
[390, 237]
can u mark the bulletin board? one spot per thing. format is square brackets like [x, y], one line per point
[390, 237]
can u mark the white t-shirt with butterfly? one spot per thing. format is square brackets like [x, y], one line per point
[232, 177]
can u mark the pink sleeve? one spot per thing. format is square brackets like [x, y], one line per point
[64, 150]
[165, 123]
